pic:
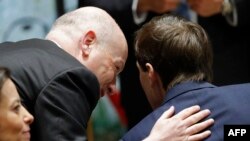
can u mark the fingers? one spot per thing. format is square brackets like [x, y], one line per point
[196, 128]
[168, 113]
[200, 136]
[183, 125]
[163, 6]
[172, 4]
[192, 3]
[196, 117]
[187, 112]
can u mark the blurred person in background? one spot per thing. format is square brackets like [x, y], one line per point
[227, 24]
[174, 58]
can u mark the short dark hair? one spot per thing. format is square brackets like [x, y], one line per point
[178, 49]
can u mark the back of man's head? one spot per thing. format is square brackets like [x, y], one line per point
[179, 50]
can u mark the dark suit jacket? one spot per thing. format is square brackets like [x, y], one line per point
[231, 45]
[228, 105]
[57, 89]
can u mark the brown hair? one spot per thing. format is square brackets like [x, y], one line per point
[179, 50]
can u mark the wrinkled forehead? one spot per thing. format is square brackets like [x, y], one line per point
[119, 55]
[117, 46]
[119, 52]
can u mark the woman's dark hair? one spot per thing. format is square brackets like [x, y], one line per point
[4, 75]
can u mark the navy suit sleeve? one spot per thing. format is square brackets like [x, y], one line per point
[64, 107]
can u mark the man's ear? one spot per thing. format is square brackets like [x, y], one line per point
[88, 39]
[154, 77]
[151, 73]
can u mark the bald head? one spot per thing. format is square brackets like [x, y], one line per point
[87, 18]
[93, 37]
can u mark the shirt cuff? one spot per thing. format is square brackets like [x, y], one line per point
[138, 19]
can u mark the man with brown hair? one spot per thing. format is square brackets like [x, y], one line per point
[174, 59]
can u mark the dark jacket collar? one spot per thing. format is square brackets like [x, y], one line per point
[185, 87]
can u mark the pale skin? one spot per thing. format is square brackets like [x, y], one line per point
[181, 127]
[206, 8]
[102, 52]
[113, 61]
[15, 120]
[89, 46]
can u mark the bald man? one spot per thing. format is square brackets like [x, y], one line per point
[60, 79]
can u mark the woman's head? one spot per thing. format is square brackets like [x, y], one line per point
[14, 118]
